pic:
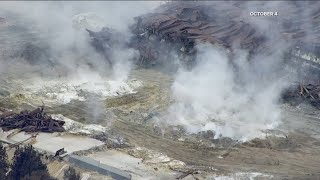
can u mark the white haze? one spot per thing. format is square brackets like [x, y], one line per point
[56, 24]
[78, 67]
[213, 96]
[69, 45]
[239, 100]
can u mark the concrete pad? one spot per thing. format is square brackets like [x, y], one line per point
[51, 142]
[133, 165]
[69, 143]
[93, 165]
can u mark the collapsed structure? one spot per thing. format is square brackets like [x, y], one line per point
[34, 121]
[298, 93]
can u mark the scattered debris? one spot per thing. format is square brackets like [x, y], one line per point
[180, 26]
[259, 143]
[184, 24]
[185, 174]
[297, 93]
[79, 128]
[60, 152]
[289, 143]
[209, 134]
[34, 121]
[153, 157]
[106, 40]
[225, 142]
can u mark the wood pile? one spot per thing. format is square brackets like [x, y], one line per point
[186, 23]
[31, 121]
[299, 93]
[180, 26]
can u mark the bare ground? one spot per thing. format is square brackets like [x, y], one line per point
[296, 155]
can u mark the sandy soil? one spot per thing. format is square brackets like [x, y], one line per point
[293, 154]
[135, 166]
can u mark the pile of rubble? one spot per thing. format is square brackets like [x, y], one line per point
[106, 40]
[298, 93]
[187, 23]
[180, 26]
[34, 121]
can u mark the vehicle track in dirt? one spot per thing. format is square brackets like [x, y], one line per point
[302, 162]
[298, 158]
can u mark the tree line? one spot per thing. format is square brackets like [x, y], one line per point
[27, 165]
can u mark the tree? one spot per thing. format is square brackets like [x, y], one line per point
[4, 166]
[27, 164]
[38, 175]
[71, 174]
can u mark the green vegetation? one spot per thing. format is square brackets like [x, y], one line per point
[4, 166]
[27, 165]
[71, 174]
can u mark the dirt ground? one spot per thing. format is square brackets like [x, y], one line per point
[292, 151]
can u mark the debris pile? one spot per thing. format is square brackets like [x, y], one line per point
[106, 40]
[34, 121]
[180, 26]
[186, 23]
[298, 93]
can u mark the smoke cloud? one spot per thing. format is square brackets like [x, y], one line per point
[231, 94]
[47, 46]
[61, 27]
[215, 96]
[234, 95]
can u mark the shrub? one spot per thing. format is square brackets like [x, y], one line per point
[4, 166]
[27, 163]
[71, 174]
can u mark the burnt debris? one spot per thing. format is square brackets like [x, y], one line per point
[106, 40]
[31, 121]
[298, 93]
[180, 26]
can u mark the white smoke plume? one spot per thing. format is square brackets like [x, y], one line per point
[234, 96]
[62, 25]
[238, 99]
[214, 96]
[72, 67]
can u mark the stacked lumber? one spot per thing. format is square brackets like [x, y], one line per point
[180, 26]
